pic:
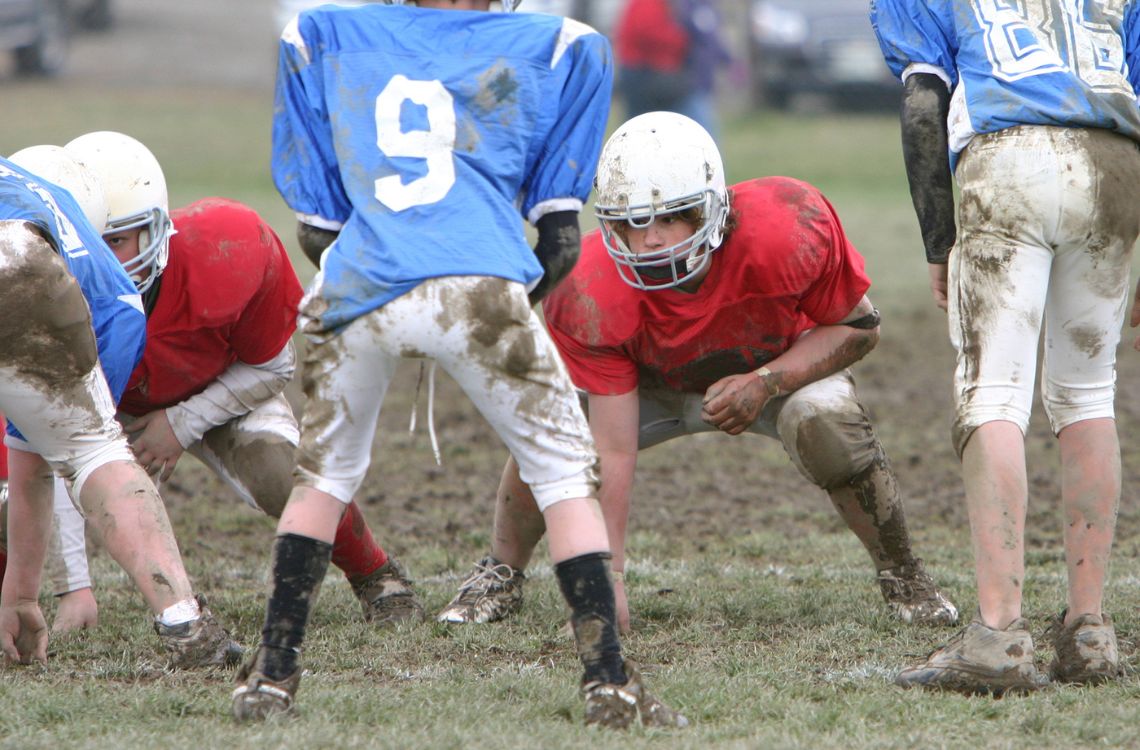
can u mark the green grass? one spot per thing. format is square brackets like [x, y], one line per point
[764, 641]
[769, 635]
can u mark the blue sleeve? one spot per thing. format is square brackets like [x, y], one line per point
[304, 162]
[121, 341]
[1131, 34]
[566, 165]
[912, 32]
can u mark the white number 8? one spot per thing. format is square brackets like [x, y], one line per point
[436, 145]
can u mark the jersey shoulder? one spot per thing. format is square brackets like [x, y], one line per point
[786, 234]
[593, 305]
[221, 255]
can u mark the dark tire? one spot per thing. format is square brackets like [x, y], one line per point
[47, 55]
[97, 16]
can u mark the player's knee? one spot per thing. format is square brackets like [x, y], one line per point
[1066, 405]
[969, 417]
[829, 447]
[265, 467]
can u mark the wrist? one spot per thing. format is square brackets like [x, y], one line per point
[768, 381]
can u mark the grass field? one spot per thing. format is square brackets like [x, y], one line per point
[755, 612]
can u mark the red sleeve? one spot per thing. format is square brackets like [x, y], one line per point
[270, 318]
[841, 280]
[587, 326]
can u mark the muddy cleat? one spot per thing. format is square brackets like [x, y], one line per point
[387, 596]
[619, 706]
[1086, 652]
[257, 697]
[980, 660]
[911, 594]
[199, 643]
[491, 592]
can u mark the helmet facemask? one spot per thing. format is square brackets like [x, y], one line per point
[154, 244]
[661, 164]
[672, 266]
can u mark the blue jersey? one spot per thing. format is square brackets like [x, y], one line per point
[1020, 62]
[116, 307]
[420, 135]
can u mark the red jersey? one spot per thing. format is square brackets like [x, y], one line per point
[785, 268]
[229, 292]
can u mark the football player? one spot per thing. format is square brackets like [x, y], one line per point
[698, 307]
[408, 140]
[71, 330]
[221, 302]
[1032, 108]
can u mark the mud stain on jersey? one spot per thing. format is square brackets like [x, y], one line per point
[496, 95]
[497, 86]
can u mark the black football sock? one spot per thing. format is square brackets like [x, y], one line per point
[585, 582]
[299, 566]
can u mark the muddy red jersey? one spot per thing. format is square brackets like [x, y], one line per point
[228, 293]
[785, 268]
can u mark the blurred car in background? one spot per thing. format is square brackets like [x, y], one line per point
[37, 33]
[821, 47]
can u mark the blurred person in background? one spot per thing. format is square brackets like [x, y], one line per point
[651, 47]
[708, 54]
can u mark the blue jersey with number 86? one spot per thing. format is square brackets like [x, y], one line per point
[1066, 63]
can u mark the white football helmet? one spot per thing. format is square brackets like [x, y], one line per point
[58, 166]
[136, 197]
[656, 164]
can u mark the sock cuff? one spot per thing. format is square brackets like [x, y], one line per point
[589, 557]
[301, 539]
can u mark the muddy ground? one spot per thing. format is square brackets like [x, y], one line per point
[701, 489]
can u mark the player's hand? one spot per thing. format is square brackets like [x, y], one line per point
[732, 404]
[77, 610]
[938, 284]
[156, 448]
[1135, 321]
[23, 633]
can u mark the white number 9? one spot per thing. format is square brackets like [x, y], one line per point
[436, 145]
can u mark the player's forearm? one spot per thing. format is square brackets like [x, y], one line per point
[821, 352]
[557, 249]
[314, 241]
[925, 105]
[236, 392]
[617, 487]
